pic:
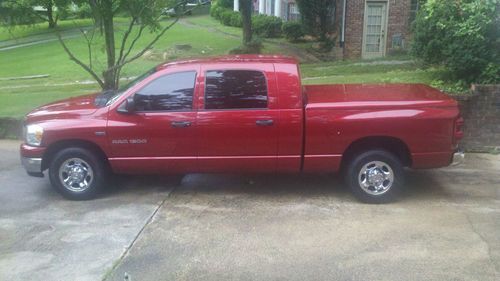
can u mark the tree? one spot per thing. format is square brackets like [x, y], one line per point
[12, 13]
[318, 16]
[246, 19]
[50, 5]
[23, 11]
[143, 14]
[462, 35]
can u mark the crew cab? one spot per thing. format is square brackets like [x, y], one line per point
[246, 113]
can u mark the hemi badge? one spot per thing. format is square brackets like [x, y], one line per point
[100, 133]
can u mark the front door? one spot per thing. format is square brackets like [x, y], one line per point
[375, 29]
[160, 136]
[238, 120]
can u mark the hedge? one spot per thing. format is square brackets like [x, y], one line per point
[267, 26]
[263, 25]
[293, 30]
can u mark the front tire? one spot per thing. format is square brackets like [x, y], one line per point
[77, 173]
[375, 176]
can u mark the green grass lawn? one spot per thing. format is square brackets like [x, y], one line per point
[370, 72]
[20, 101]
[7, 33]
[210, 22]
[20, 96]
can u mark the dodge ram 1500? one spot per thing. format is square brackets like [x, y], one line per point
[242, 114]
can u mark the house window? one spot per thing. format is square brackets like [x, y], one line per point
[293, 12]
[414, 6]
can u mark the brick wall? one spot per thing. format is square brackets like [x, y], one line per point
[397, 23]
[354, 28]
[481, 112]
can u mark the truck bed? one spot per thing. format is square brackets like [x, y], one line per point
[375, 95]
[419, 116]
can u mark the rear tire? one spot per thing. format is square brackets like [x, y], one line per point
[375, 176]
[77, 173]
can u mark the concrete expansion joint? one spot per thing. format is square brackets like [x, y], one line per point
[136, 237]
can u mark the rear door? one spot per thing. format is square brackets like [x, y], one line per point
[375, 29]
[238, 118]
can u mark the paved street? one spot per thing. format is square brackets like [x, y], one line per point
[238, 227]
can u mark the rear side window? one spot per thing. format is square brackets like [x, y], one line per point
[166, 93]
[235, 89]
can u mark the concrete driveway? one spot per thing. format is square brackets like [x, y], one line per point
[44, 237]
[228, 227]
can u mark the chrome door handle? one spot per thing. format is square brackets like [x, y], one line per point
[264, 122]
[181, 124]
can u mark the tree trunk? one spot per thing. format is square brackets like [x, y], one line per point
[109, 75]
[325, 20]
[50, 15]
[246, 18]
[323, 26]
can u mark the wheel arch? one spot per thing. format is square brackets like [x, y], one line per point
[391, 144]
[55, 147]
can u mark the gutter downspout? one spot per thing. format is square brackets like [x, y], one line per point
[342, 36]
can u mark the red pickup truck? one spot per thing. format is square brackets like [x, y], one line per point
[242, 114]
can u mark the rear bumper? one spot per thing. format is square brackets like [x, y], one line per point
[437, 159]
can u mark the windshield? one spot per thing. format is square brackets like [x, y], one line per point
[130, 84]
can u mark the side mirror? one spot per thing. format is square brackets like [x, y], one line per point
[127, 107]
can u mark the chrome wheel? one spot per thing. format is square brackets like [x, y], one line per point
[376, 177]
[76, 175]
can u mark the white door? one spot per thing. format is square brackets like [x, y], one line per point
[375, 27]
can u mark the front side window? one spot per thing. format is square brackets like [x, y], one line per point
[166, 93]
[235, 89]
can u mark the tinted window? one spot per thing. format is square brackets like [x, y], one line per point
[229, 89]
[169, 92]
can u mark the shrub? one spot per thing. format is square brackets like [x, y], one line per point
[220, 6]
[317, 17]
[491, 74]
[84, 11]
[262, 25]
[226, 17]
[236, 19]
[462, 35]
[65, 14]
[267, 26]
[215, 11]
[228, 4]
[293, 30]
